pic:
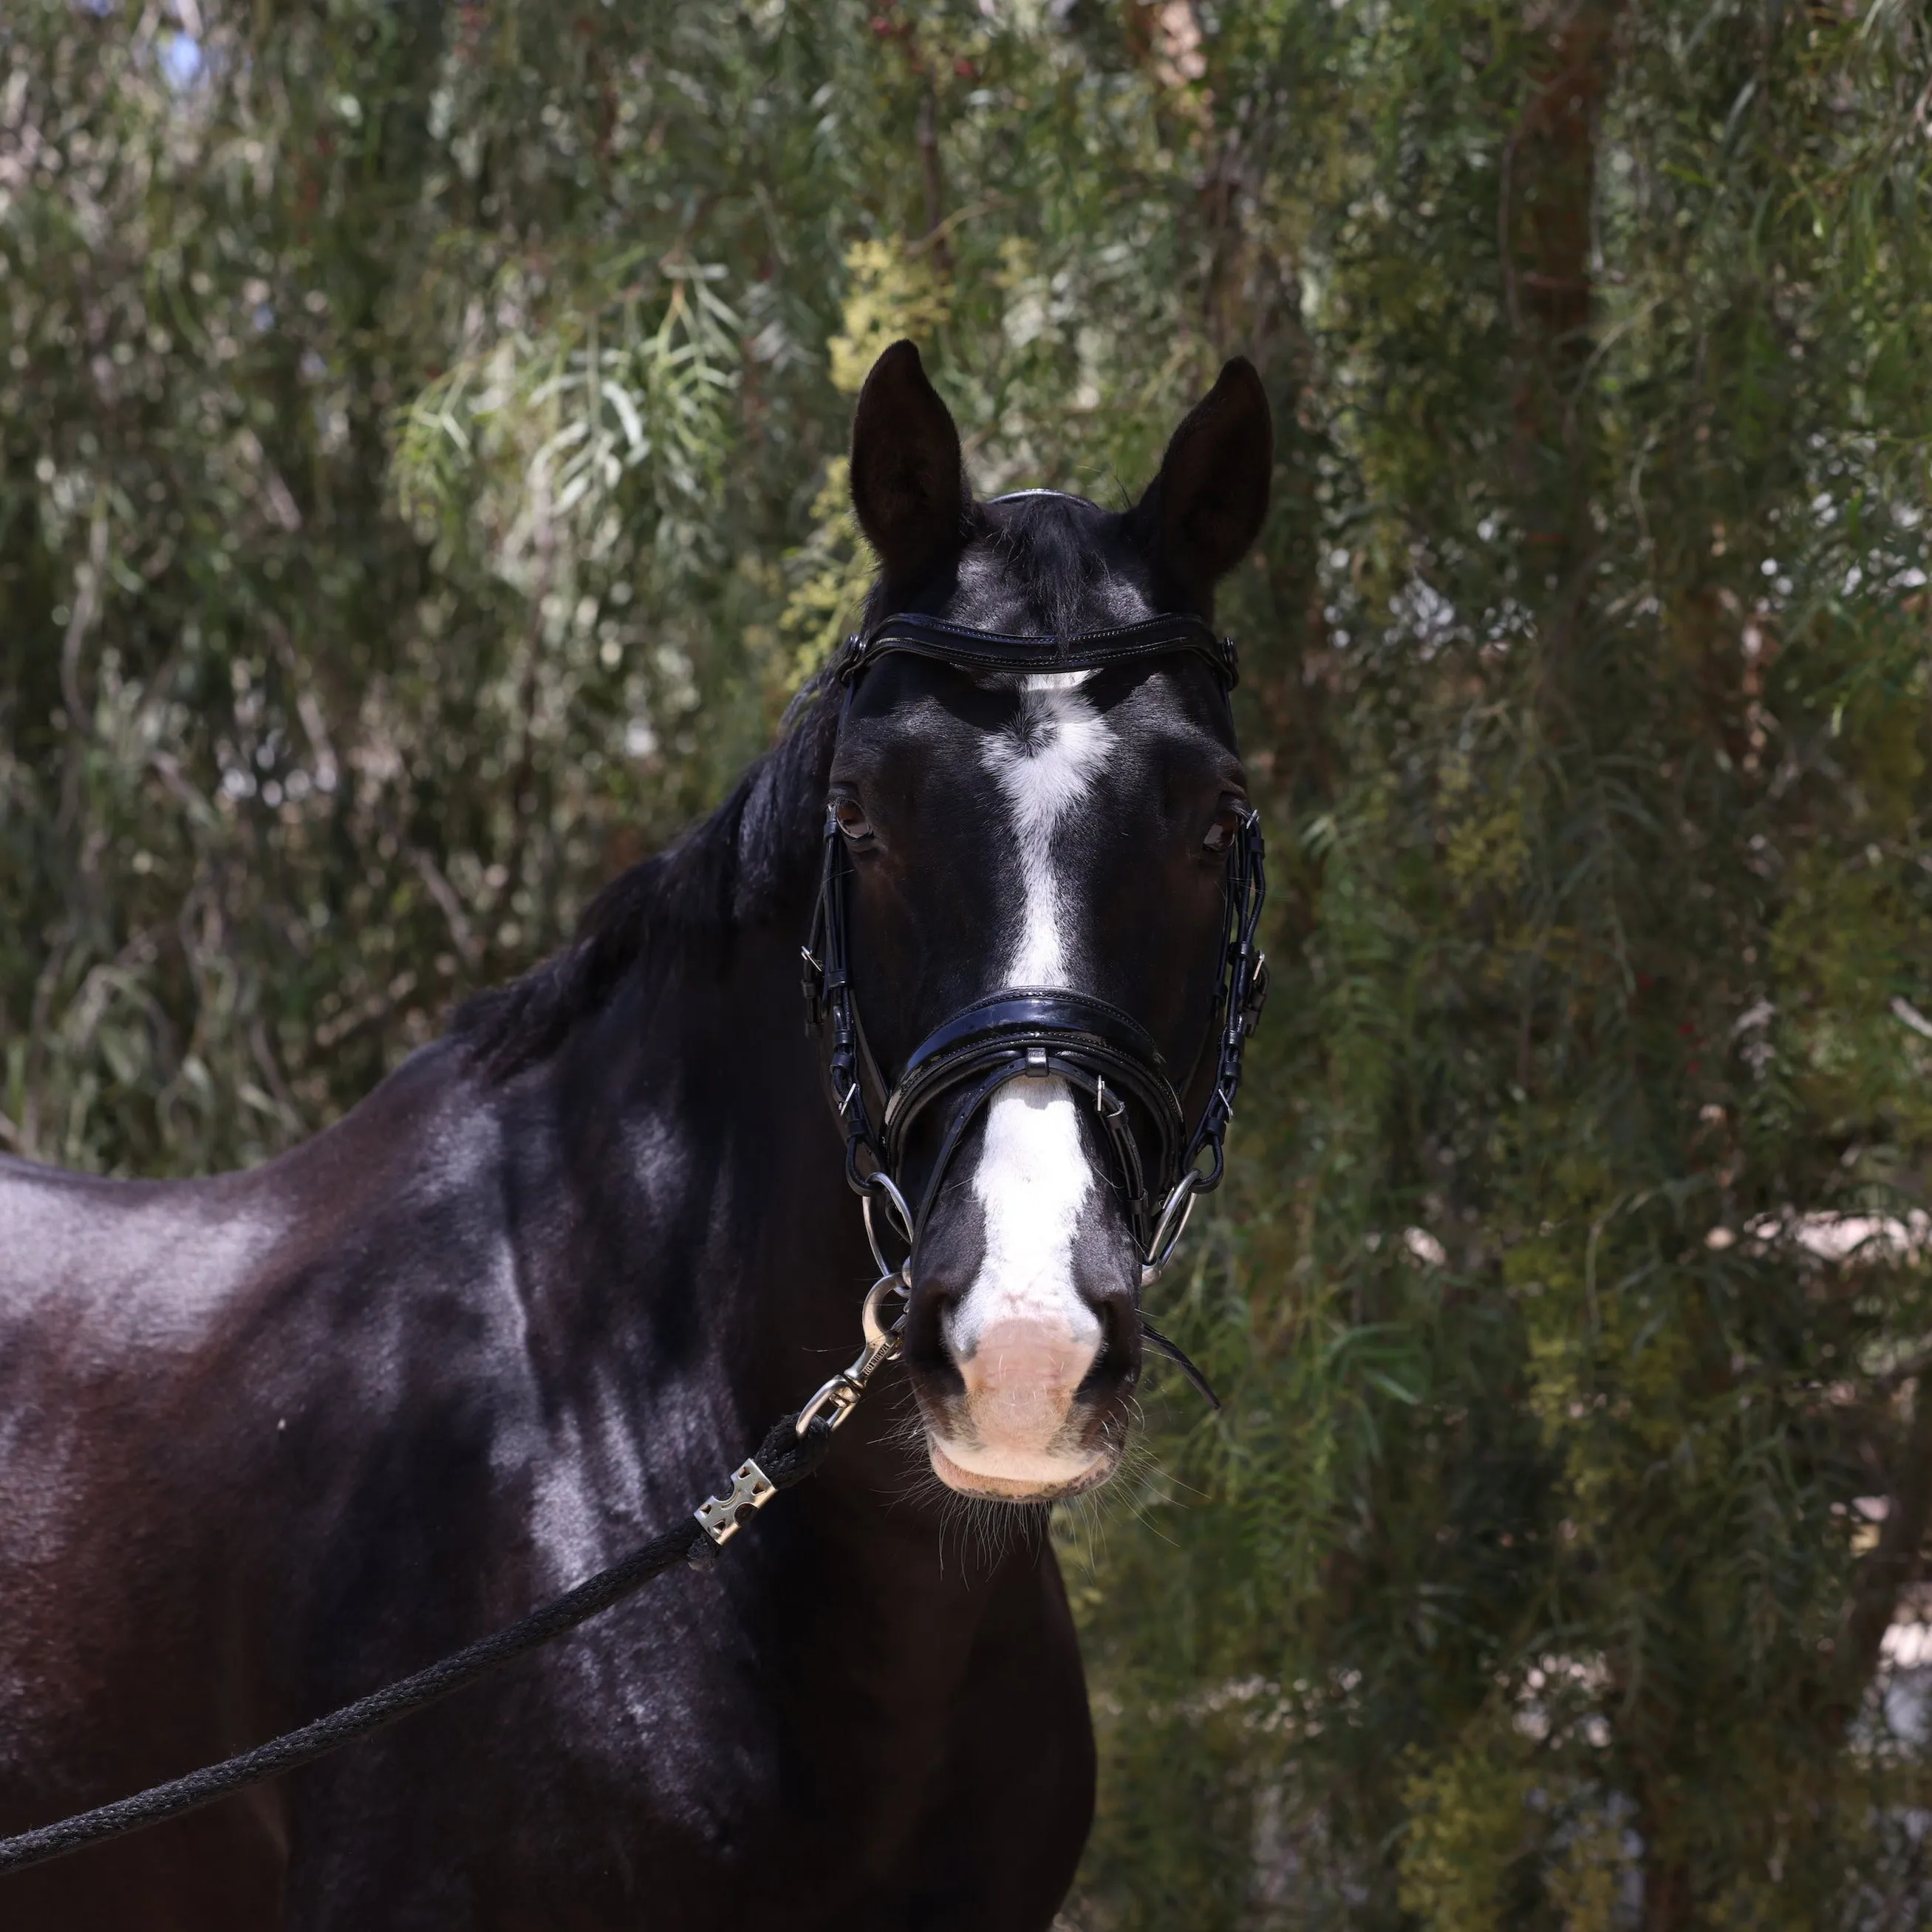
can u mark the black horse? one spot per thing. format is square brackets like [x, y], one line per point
[270, 1440]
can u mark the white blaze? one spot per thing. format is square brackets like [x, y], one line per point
[1033, 1174]
[1045, 766]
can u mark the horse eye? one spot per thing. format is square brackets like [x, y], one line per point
[852, 821]
[1228, 821]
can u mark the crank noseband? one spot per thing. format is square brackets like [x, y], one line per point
[1017, 1033]
[1022, 1032]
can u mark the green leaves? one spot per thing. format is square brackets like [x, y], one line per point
[528, 441]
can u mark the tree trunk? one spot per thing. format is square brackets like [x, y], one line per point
[1547, 218]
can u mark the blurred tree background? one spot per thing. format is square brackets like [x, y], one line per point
[421, 485]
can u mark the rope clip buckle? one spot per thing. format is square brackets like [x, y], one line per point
[841, 1393]
[722, 1517]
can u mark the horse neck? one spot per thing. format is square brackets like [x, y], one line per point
[727, 1250]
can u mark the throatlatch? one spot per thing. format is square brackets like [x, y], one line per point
[1018, 1032]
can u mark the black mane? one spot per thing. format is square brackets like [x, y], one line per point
[748, 861]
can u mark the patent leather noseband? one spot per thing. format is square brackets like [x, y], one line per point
[1018, 1032]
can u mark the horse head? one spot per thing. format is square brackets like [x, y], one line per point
[1007, 840]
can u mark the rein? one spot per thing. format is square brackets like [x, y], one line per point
[1014, 1033]
[1017, 1033]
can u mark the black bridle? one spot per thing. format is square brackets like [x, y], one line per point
[1019, 1032]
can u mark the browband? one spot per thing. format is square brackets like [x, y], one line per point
[968, 649]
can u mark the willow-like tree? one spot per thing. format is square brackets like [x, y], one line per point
[420, 482]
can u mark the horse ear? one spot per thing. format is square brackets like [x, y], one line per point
[908, 484]
[1205, 508]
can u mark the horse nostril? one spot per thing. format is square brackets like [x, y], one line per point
[1116, 1362]
[925, 1346]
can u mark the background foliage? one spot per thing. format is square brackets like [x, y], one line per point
[421, 485]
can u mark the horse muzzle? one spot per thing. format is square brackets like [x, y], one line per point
[1018, 1433]
[1023, 1337]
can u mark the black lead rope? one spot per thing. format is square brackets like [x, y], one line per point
[785, 1457]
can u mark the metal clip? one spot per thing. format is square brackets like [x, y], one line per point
[871, 1317]
[723, 1516]
[841, 1393]
[1036, 1062]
